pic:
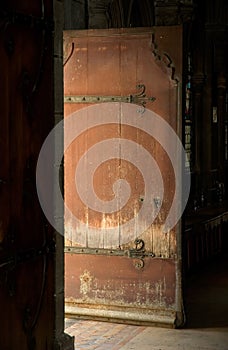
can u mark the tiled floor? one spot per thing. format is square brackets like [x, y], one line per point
[207, 327]
[101, 335]
[93, 335]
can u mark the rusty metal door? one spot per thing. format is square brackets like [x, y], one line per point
[122, 94]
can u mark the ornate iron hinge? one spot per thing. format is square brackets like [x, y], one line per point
[137, 254]
[138, 99]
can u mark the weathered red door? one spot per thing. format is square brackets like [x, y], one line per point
[121, 231]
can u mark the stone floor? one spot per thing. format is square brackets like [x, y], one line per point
[206, 300]
[92, 335]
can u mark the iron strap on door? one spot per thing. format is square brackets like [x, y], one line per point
[139, 99]
[138, 253]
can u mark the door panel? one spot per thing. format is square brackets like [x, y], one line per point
[112, 288]
[112, 264]
[27, 242]
[24, 285]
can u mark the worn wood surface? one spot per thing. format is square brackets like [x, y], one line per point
[113, 63]
[120, 283]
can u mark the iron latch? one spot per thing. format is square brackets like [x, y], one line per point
[139, 253]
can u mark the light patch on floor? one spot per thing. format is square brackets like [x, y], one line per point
[91, 335]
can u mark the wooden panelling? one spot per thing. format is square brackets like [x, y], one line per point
[107, 64]
[113, 63]
[27, 248]
[120, 290]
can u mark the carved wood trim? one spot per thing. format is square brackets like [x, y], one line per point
[163, 60]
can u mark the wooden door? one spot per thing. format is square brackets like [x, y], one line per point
[118, 162]
[28, 283]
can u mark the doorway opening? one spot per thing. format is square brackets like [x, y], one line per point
[119, 176]
[87, 278]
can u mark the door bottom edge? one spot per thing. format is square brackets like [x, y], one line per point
[127, 317]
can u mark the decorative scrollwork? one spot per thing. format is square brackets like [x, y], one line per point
[164, 60]
[141, 98]
[67, 56]
[139, 253]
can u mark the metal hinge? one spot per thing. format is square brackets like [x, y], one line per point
[139, 99]
[137, 254]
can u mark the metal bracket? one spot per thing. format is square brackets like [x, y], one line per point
[139, 99]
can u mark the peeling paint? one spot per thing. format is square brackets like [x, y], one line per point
[85, 282]
[103, 282]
